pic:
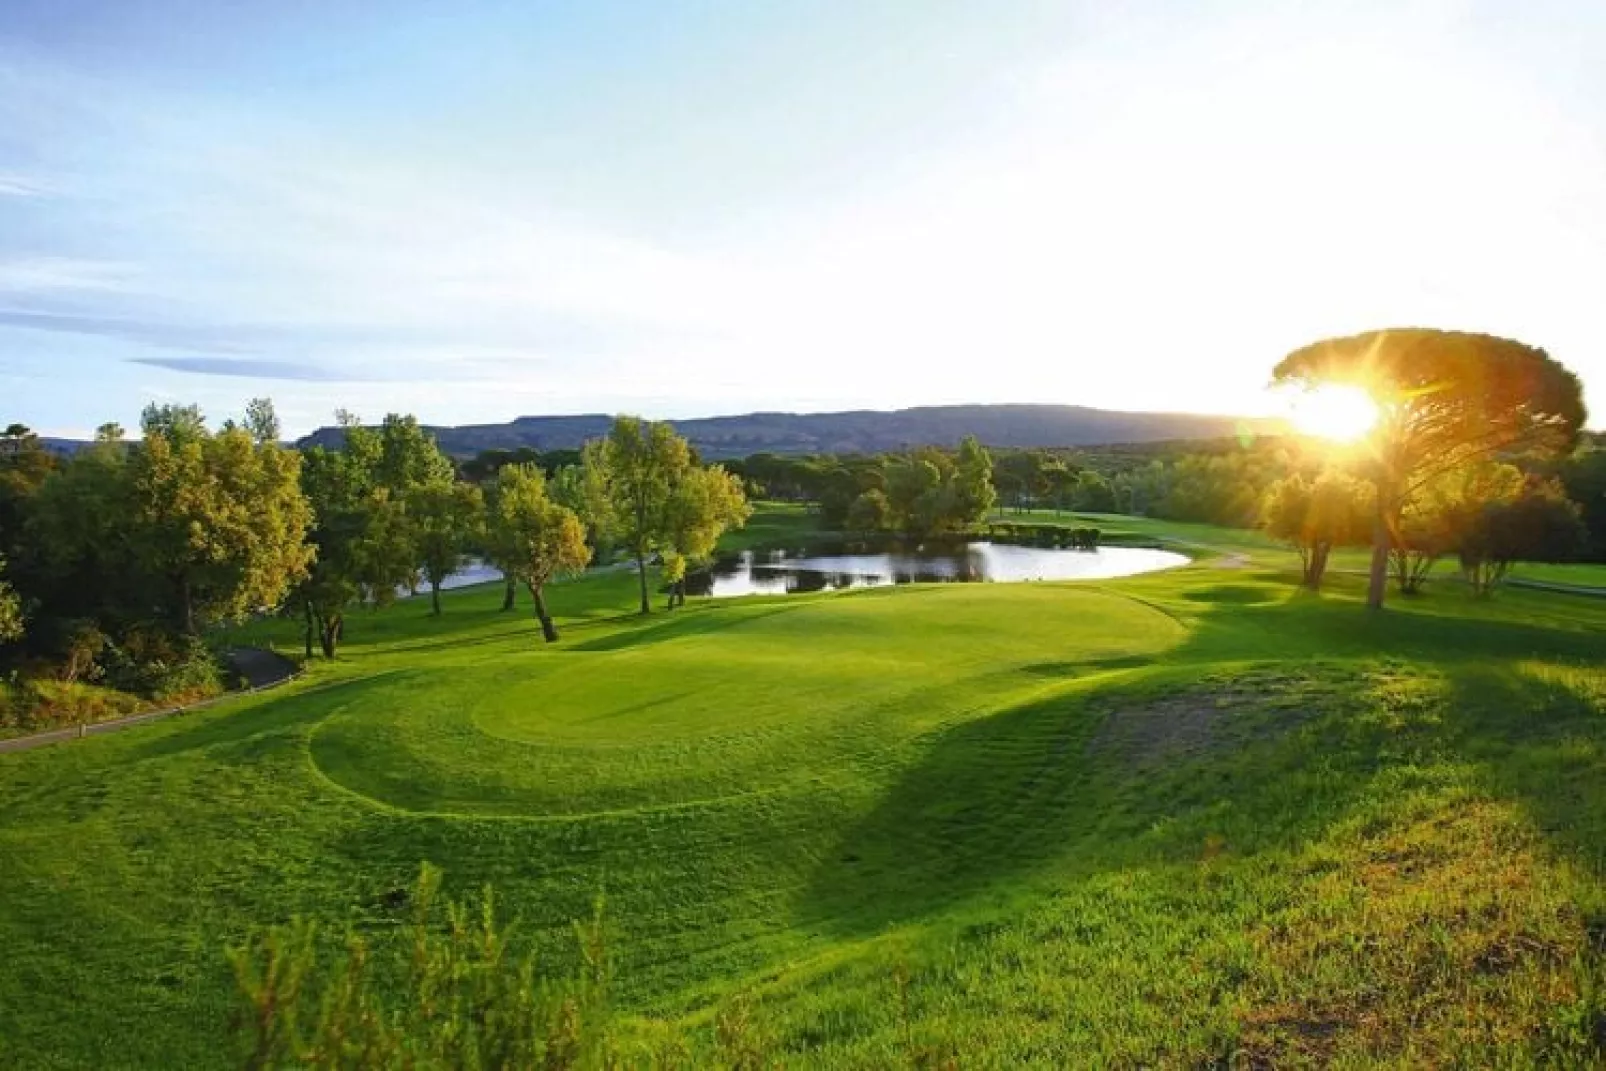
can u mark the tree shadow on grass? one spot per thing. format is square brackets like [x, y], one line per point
[704, 619]
[1538, 736]
[1001, 797]
[273, 719]
[1046, 782]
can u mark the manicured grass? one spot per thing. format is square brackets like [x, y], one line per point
[1579, 575]
[1189, 817]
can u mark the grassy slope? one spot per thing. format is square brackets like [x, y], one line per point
[1165, 819]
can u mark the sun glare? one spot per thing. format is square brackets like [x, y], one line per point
[1340, 413]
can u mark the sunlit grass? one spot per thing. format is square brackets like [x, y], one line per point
[1189, 817]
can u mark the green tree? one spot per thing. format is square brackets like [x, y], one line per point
[1093, 493]
[363, 543]
[177, 424]
[445, 519]
[1317, 516]
[705, 503]
[82, 563]
[25, 465]
[262, 421]
[543, 539]
[1436, 519]
[221, 520]
[10, 609]
[408, 457]
[499, 550]
[1539, 524]
[973, 493]
[870, 512]
[632, 475]
[1584, 476]
[914, 488]
[1445, 399]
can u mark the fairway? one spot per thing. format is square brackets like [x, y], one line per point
[1192, 816]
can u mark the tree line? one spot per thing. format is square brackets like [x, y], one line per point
[126, 552]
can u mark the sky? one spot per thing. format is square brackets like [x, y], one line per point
[474, 211]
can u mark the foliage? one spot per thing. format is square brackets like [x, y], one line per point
[36, 705]
[404, 456]
[218, 519]
[178, 424]
[24, 467]
[971, 495]
[10, 609]
[1316, 517]
[1093, 494]
[706, 503]
[537, 539]
[1584, 477]
[870, 512]
[1436, 521]
[1539, 524]
[364, 550]
[1446, 399]
[646, 492]
[261, 421]
[468, 1000]
[445, 518]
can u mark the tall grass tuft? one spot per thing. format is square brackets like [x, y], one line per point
[465, 1002]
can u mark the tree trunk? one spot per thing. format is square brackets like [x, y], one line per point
[307, 635]
[641, 569]
[435, 598]
[329, 636]
[1378, 581]
[187, 602]
[509, 593]
[548, 630]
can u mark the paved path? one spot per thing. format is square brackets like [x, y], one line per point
[259, 667]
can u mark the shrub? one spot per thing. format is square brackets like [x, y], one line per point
[163, 668]
[465, 1002]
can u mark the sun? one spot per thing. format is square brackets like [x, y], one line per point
[1340, 413]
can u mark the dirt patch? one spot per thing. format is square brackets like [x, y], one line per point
[1158, 732]
[1207, 719]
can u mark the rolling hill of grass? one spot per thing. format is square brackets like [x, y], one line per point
[1172, 820]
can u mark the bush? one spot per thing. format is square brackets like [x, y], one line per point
[162, 668]
[33, 705]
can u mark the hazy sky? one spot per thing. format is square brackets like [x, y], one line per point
[473, 211]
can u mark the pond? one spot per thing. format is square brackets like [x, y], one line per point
[776, 572]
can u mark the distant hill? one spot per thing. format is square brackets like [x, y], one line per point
[855, 431]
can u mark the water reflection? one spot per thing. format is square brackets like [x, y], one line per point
[778, 573]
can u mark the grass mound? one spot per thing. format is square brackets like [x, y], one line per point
[1179, 819]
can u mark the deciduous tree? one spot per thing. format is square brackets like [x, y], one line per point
[632, 475]
[221, 520]
[10, 609]
[1445, 399]
[364, 546]
[445, 518]
[1539, 524]
[543, 539]
[706, 503]
[1434, 522]
[1316, 516]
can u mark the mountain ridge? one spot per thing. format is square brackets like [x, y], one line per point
[854, 430]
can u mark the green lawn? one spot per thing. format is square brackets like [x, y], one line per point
[1573, 575]
[1179, 819]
